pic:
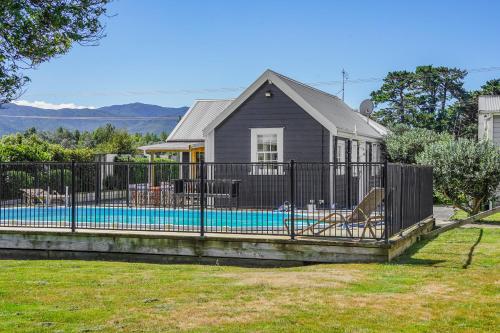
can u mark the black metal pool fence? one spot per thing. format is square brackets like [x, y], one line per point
[345, 200]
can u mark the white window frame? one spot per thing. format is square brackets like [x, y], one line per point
[254, 132]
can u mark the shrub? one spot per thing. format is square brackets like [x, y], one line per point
[404, 144]
[166, 170]
[17, 148]
[18, 179]
[465, 171]
[114, 181]
[55, 179]
[12, 181]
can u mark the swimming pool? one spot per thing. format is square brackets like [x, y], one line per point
[125, 217]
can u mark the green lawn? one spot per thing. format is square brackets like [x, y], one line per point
[450, 284]
[460, 215]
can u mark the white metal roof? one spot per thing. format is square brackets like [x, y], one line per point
[327, 109]
[200, 114]
[381, 129]
[166, 146]
[489, 103]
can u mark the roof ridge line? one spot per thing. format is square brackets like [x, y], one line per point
[307, 86]
[213, 99]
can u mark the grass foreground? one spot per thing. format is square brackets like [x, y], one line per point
[449, 284]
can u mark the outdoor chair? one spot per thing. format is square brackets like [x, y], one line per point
[168, 199]
[33, 196]
[362, 213]
[139, 194]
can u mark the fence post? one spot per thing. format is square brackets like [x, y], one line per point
[401, 197]
[202, 197]
[2, 185]
[349, 174]
[73, 195]
[128, 185]
[97, 196]
[292, 199]
[386, 200]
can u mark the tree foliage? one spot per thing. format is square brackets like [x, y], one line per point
[421, 98]
[465, 171]
[396, 98]
[19, 148]
[34, 31]
[65, 145]
[404, 144]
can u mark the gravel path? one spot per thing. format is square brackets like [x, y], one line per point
[442, 214]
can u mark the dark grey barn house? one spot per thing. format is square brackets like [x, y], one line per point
[275, 120]
[278, 119]
[298, 121]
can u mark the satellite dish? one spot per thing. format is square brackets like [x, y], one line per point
[366, 107]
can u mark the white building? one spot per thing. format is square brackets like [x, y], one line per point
[489, 118]
[489, 121]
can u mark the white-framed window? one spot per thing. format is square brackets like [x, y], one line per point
[267, 150]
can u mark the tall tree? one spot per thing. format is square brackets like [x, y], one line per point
[34, 31]
[437, 88]
[397, 98]
[491, 87]
[419, 99]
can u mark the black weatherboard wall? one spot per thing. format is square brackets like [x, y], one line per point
[304, 139]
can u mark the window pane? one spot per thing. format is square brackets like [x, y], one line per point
[267, 143]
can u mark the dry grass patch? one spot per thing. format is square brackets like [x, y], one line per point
[436, 289]
[295, 279]
[252, 305]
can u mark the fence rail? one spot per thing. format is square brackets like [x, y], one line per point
[346, 200]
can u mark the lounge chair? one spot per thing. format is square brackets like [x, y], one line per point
[33, 196]
[362, 213]
[139, 194]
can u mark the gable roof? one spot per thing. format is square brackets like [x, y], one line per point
[201, 113]
[327, 109]
[490, 103]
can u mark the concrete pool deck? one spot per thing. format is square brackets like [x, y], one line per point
[177, 247]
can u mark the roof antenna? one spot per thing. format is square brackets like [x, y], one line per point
[345, 77]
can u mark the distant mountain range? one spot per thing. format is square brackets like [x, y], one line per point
[134, 117]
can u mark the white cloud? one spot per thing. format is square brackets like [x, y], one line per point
[46, 105]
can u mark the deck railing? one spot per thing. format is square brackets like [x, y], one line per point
[307, 199]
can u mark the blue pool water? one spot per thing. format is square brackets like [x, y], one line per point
[128, 217]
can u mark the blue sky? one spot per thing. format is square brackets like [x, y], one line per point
[155, 50]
